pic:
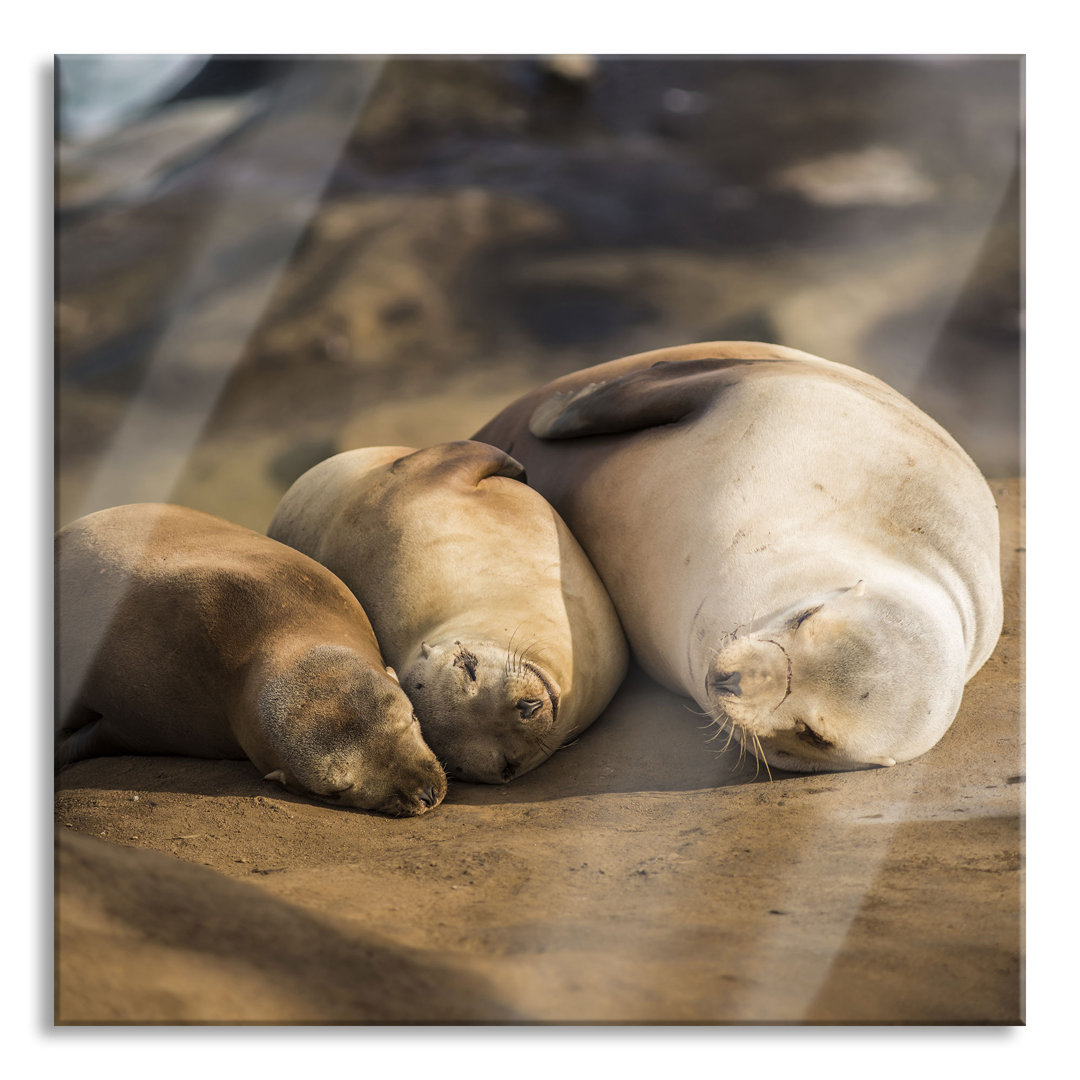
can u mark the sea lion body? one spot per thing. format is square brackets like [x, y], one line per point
[181, 633]
[787, 540]
[504, 636]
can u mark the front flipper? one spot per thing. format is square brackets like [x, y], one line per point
[666, 393]
[467, 462]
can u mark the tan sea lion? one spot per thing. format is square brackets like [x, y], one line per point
[504, 637]
[787, 540]
[181, 633]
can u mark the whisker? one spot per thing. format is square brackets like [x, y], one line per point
[740, 758]
[509, 651]
[755, 745]
[731, 735]
[718, 720]
[698, 712]
[762, 759]
[519, 656]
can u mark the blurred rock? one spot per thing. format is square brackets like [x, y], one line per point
[295, 460]
[489, 224]
[878, 175]
[97, 94]
[128, 164]
[379, 278]
[572, 67]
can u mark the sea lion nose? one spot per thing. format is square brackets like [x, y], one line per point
[726, 682]
[428, 797]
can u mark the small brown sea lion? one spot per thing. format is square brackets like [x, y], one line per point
[181, 633]
[504, 636]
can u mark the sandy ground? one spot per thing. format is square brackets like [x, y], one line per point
[640, 876]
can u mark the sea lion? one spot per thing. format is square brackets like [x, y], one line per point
[787, 540]
[504, 637]
[181, 633]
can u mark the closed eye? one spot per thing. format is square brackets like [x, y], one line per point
[804, 615]
[552, 694]
[808, 735]
[468, 661]
[334, 794]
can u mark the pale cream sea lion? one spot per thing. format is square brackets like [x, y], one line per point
[181, 633]
[788, 541]
[504, 636]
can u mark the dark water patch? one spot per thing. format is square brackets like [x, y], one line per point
[747, 326]
[572, 314]
[295, 460]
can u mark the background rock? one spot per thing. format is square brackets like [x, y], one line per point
[375, 249]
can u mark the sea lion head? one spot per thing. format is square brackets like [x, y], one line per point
[846, 680]
[490, 713]
[340, 729]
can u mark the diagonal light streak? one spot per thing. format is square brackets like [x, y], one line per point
[258, 224]
[275, 174]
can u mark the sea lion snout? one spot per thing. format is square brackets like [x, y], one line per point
[725, 683]
[396, 788]
[749, 674]
[411, 802]
[481, 762]
[421, 789]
